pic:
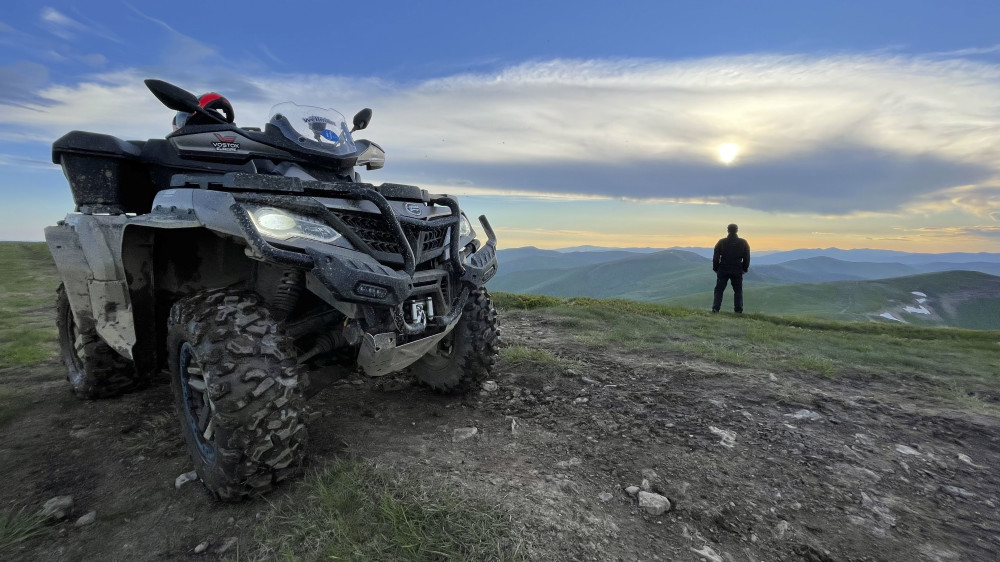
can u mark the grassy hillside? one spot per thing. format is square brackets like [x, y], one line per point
[957, 364]
[28, 280]
[640, 277]
[839, 270]
[660, 275]
[962, 299]
[522, 259]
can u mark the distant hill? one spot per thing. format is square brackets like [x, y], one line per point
[637, 276]
[818, 286]
[531, 258]
[832, 269]
[882, 256]
[961, 299]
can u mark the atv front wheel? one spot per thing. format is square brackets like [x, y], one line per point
[238, 390]
[466, 356]
[94, 370]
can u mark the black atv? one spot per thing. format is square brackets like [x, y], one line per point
[242, 259]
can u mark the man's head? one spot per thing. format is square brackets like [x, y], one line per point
[732, 228]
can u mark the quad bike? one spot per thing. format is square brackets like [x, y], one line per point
[245, 261]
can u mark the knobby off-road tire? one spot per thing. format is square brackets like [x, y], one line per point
[238, 390]
[93, 369]
[464, 358]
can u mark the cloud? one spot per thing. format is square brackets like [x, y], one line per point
[181, 51]
[67, 28]
[962, 231]
[59, 24]
[20, 84]
[822, 135]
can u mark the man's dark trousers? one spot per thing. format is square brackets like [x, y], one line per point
[720, 287]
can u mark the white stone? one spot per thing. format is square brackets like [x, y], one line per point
[201, 548]
[728, 437]
[605, 496]
[490, 386]
[907, 450]
[185, 478]
[463, 433]
[226, 545]
[86, 519]
[654, 504]
[707, 553]
[632, 490]
[805, 415]
[57, 507]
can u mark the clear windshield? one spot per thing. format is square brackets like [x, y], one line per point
[314, 128]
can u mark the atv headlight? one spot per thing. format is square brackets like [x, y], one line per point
[279, 224]
[465, 229]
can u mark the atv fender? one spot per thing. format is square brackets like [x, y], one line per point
[86, 249]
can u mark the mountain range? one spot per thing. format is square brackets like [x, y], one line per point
[961, 289]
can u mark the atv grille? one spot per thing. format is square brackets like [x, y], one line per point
[374, 230]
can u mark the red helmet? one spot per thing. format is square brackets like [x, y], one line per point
[212, 102]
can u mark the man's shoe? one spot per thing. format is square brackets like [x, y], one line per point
[738, 311]
[715, 311]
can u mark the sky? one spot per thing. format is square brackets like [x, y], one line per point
[850, 124]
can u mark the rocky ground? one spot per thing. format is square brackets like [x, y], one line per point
[753, 465]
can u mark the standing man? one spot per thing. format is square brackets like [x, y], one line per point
[730, 261]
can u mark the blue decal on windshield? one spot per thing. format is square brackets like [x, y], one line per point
[329, 135]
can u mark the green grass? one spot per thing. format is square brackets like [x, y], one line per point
[957, 364]
[961, 298]
[17, 527]
[28, 282]
[354, 511]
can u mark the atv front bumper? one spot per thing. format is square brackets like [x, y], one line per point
[355, 277]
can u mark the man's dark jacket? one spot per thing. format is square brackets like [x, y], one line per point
[731, 256]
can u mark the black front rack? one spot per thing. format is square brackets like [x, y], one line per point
[297, 195]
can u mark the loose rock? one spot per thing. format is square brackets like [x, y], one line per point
[654, 504]
[655, 482]
[57, 508]
[728, 437]
[185, 478]
[907, 450]
[807, 415]
[605, 496]
[632, 490]
[490, 386]
[86, 519]
[226, 545]
[571, 462]
[201, 548]
[967, 460]
[957, 492]
[781, 528]
[463, 433]
[707, 552]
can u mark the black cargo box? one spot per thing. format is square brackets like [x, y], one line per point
[104, 173]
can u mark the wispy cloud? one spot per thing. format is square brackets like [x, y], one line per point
[65, 27]
[823, 135]
[180, 50]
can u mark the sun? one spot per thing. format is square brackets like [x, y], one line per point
[728, 153]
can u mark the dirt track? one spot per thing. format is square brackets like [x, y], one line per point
[817, 470]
